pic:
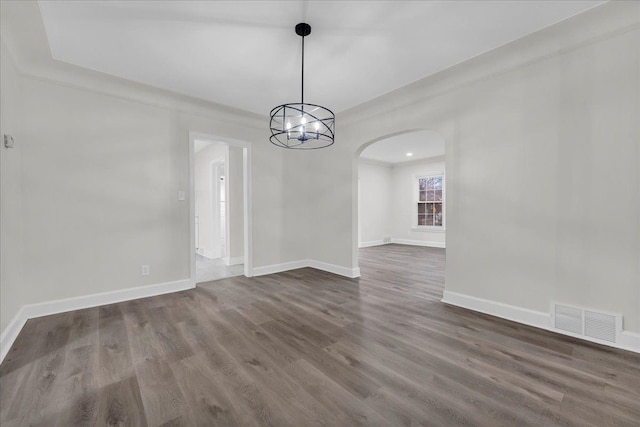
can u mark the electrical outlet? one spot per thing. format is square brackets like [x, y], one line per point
[146, 270]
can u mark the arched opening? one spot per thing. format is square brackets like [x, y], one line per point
[400, 191]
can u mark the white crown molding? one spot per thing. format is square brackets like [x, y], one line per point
[24, 36]
[593, 25]
[31, 311]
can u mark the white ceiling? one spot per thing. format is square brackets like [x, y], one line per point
[245, 54]
[422, 145]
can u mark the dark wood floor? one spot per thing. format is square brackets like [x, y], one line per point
[309, 348]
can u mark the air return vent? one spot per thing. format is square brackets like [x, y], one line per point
[568, 319]
[600, 326]
[592, 325]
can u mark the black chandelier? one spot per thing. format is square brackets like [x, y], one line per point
[302, 126]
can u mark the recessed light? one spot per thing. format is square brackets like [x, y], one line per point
[409, 154]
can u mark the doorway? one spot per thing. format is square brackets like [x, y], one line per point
[400, 190]
[219, 208]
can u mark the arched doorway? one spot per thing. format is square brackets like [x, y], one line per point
[400, 190]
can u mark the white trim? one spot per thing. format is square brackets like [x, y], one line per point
[214, 204]
[233, 260]
[11, 332]
[247, 184]
[428, 229]
[351, 273]
[418, 243]
[538, 319]
[318, 265]
[371, 243]
[416, 199]
[627, 341]
[47, 308]
[278, 268]
[206, 253]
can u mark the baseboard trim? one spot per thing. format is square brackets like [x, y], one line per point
[627, 340]
[371, 243]
[205, 253]
[234, 260]
[351, 273]
[538, 319]
[11, 332]
[31, 311]
[418, 243]
[279, 268]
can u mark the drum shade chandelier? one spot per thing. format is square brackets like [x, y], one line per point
[299, 125]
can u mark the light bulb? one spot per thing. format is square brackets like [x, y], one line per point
[288, 125]
[303, 120]
[317, 126]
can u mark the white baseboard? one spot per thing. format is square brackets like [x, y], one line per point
[371, 243]
[11, 332]
[331, 268]
[30, 311]
[234, 260]
[418, 243]
[627, 340]
[206, 253]
[278, 268]
[351, 273]
[538, 319]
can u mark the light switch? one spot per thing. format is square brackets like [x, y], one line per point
[181, 195]
[8, 141]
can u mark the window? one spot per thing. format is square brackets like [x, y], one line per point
[430, 201]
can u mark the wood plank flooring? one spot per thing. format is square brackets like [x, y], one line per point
[306, 348]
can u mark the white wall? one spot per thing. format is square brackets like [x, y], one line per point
[375, 204]
[100, 161]
[204, 196]
[403, 214]
[532, 127]
[11, 223]
[387, 202]
[537, 131]
[235, 204]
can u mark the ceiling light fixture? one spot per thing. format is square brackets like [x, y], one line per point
[299, 125]
[409, 154]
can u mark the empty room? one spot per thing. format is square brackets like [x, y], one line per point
[335, 213]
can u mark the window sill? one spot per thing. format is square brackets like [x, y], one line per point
[426, 229]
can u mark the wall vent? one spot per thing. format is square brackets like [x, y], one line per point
[589, 324]
[599, 325]
[568, 319]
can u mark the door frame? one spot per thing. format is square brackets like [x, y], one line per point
[246, 187]
[216, 232]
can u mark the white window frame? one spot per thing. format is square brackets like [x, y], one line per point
[416, 199]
